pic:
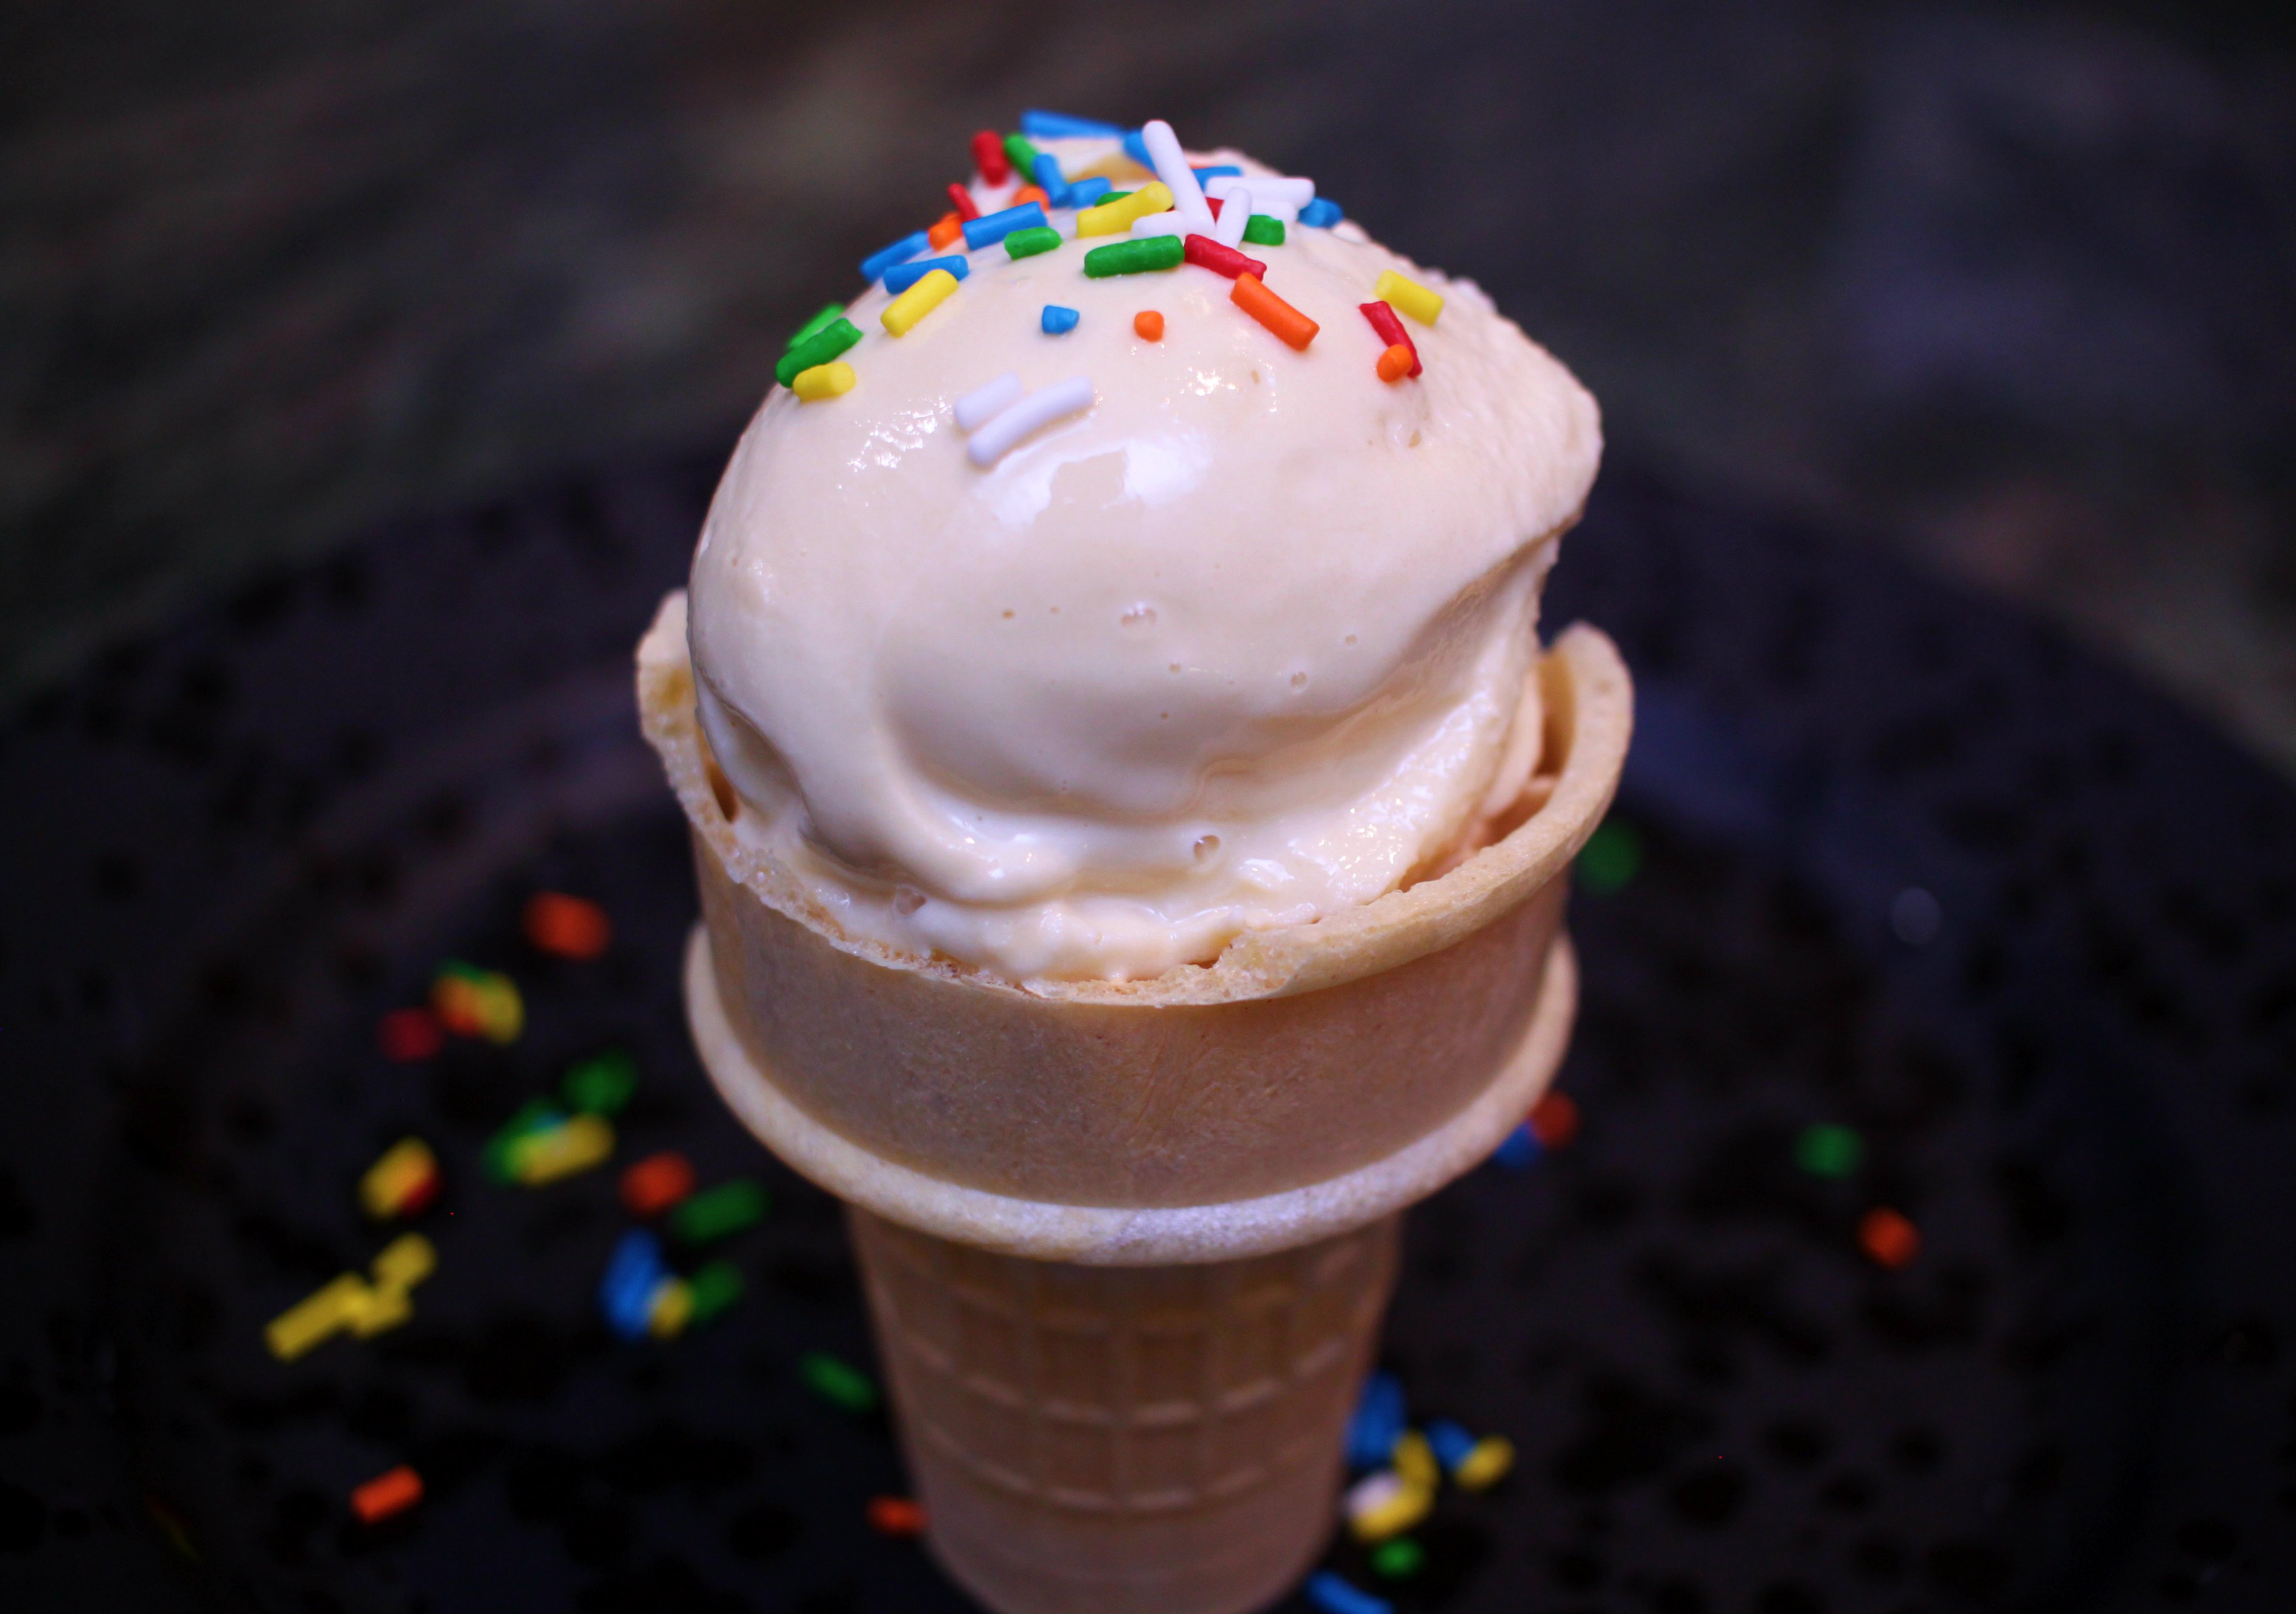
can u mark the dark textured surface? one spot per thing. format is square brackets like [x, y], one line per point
[230, 848]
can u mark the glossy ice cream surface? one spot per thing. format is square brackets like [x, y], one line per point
[1244, 644]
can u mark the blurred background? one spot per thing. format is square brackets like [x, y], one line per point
[2011, 288]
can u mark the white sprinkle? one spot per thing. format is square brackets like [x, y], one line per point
[1267, 187]
[1164, 224]
[1171, 166]
[1269, 208]
[983, 404]
[1372, 1493]
[1235, 212]
[1041, 407]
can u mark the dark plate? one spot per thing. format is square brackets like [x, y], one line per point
[1905, 863]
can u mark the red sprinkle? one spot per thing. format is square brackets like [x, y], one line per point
[896, 1516]
[567, 926]
[1887, 1238]
[1554, 1121]
[656, 1182]
[961, 200]
[1213, 202]
[1205, 253]
[407, 1035]
[1391, 330]
[387, 1494]
[989, 157]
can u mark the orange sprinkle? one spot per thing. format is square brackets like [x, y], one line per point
[1887, 1238]
[387, 1494]
[1026, 194]
[571, 927]
[1149, 325]
[945, 229]
[1554, 1119]
[656, 1182]
[409, 1034]
[1395, 363]
[1273, 311]
[896, 1516]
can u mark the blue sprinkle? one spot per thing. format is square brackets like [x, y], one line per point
[1137, 149]
[1214, 171]
[1334, 1595]
[1377, 1422]
[1059, 321]
[899, 252]
[1520, 1149]
[1323, 213]
[1452, 1443]
[901, 277]
[1084, 193]
[1047, 173]
[1039, 124]
[990, 228]
[626, 1294]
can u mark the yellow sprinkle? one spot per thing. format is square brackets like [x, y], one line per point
[1116, 167]
[833, 379]
[1414, 1460]
[386, 1307]
[404, 1262]
[919, 300]
[543, 1157]
[672, 1307]
[1115, 217]
[318, 1317]
[391, 1179]
[1393, 1514]
[1409, 296]
[1486, 1465]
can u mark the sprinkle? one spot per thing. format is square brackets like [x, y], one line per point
[1398, 1560]
[817, 323]
[1223, 170]
[1040, 408]
[1520, 1149]
[1450, 1442]
[902, 276]
[896, 1516]
[988, 400]
[478, 1003]
[1205, 253]
[1385, 1504]
[534, 1116]
[1334, 1595]
[1040, 124]
[839, 1383]
[824, 345]
[1133, 256]
[715, 1288]
[1263, 230]
[1058, 321]
[316, 1318]
[990, 228]
[653, 1184]
[1171, 166]
[1887, 1238]
[601, 1085]
[1390, 331]
[403, 1262]
[1149, 325]
[1266, 187]
[1029, 242]
[1414, 1460]
[1377, 1422]
[899, 252]
[669, 1309]
[901, 315]
[1022, 154]
[567, 927]
[386, 1494]
[1323, 213]
[1408, 295]
[1084, 193]
[1115, 215]
[1160, 223]
[1828, 1151]
[406, 1035]
[626, 1293]
[584, 1142]
[381, 1311]
[1026, 194]
[1047, 172]
[726, 1209]
[401, 1182]
[989, 157]
[1554, 1120]
[946, 231]
[1395, 363]
[959, 197]
[1272, 311]
[1231, 217]
[1486, 1465]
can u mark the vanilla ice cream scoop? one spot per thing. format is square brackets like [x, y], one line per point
[1245, 641]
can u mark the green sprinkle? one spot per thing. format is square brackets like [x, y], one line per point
[1134, 257]
[726, 1209]
[1612, 857]
[824, 345]
[1263, 230]
[1029, 242]
[839, 1383]
[601, 1085]
[714, 1287]
[1824, 1150]
[1111, 196]
[1024, 157]
[1400, 1559]
[817, 325]
[457, 970]
[537, 1115]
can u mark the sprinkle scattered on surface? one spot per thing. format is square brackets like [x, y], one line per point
[1148, 325]
[1486, 1465]
[1520, 1149]
[1322, 213]
[478, 1003]
[1377, 1422]
[959, 197]
[1040, 408]
[988, 400]
[1395, 363]
[816, 325]
[714, 1288]
[1334, 1595]
[1040, 124]
[567, 927]
[1414, 1460]
[602, 1085]
[578, 1144]
[1888, 1238]
[822, 346]
[1136, 256]
[1171, 166]
[401, 1182]
[901, 315]
[1610, 858]
[1827, 1151]
[1263, 230]
[901, 277]
[1384, 1505]
[1029, 242]
[896, 1516]
[1390, 331]
[1205, 253]
[1450, 1441]
[1115, 215]
[1020, 152]
[722, 1211]
[386, 1494]
[990, 228]
[897, 252]
[946, 231]
[407, 1035]
[1291, 326]
[1398, 1560]
[840, 1383]
[1554, 1120]
[1058, 321]
[534, 1116]
[988, 157]
[656, 1183]
[1408, 295]
[1027, 195]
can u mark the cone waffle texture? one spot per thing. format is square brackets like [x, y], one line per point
[1124, 1440]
